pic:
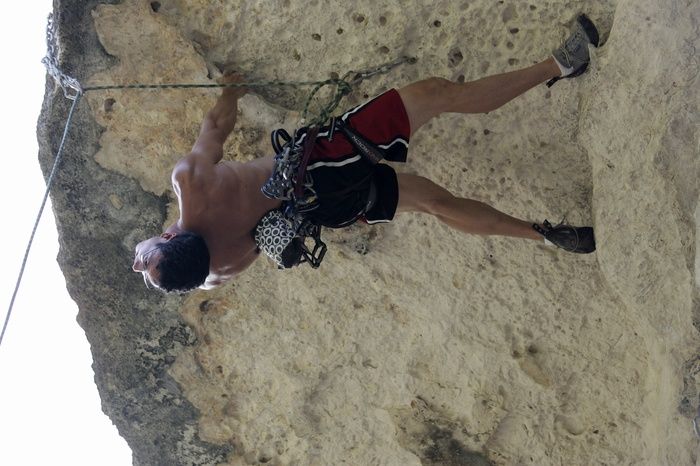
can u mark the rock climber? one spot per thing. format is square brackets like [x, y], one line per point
[221, 202]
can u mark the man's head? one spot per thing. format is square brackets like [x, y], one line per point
[173, 262]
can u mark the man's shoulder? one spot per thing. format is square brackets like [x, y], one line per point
[183, 170]
[191, 171]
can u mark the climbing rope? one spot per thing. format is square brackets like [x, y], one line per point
[75, 99]
[342, 89]
[343, 86]
[73, 90]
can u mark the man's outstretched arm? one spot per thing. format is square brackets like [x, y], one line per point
[219, 122]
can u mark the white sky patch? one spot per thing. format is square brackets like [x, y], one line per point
[50, 410]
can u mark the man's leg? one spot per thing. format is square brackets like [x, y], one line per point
[431, 97]
[419, 194]
[426, 99]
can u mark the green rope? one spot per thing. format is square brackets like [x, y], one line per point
[209, 85]
[343, 86]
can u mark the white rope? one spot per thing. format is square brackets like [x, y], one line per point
[73, 91]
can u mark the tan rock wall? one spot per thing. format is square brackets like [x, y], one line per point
[413, 343]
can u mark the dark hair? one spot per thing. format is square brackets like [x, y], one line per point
[184, 264]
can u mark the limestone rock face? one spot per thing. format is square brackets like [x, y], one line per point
[412, 344]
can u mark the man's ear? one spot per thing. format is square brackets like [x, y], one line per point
[168, 236]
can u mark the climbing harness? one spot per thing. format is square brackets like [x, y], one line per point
[289, 180]
[282, 233]
[73, 90]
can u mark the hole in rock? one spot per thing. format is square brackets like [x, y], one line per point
[109, 104]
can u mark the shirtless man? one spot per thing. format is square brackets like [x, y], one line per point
[221, 201]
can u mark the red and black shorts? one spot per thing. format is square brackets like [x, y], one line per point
[348, 186]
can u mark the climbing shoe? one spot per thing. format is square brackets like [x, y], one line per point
[568, 238]
[573, 56]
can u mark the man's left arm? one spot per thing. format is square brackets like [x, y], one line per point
[214, 280]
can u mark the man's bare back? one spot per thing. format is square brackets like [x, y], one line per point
[223, 203]
[220, 201]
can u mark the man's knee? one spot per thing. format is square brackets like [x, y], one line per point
[437, 86]
[434, 91]
[437, 204]
[419, 194]
[426, 99]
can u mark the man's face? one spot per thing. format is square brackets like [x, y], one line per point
[146, 258]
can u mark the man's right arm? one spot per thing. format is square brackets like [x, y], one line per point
[217, 125]
[219, 121]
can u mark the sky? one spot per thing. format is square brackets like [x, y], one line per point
[50, 410]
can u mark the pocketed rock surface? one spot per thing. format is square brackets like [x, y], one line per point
[412, 344]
